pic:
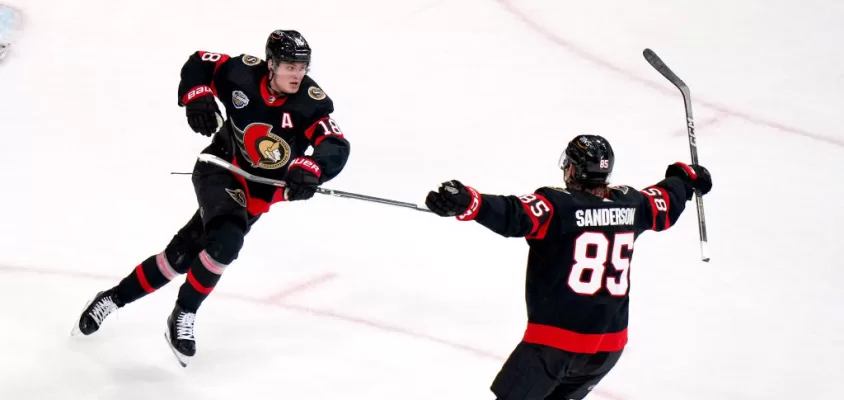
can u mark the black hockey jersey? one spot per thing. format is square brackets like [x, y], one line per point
[263, 133]
[581, 245]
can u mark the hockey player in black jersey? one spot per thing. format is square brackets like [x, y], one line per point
[275, 112]
[580, 242]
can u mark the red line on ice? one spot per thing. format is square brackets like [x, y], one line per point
[274, 301]
[709, 122]
[571, 47]
[309, 284]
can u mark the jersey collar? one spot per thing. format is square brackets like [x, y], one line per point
[269, 98]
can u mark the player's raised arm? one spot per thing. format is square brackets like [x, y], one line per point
[665, 201]
[509, 216]
[196, 91]
[581, 238]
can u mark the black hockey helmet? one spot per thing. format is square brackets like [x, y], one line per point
[287, 45]
[592, 157]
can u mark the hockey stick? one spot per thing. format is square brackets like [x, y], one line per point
[210, 158]
[660, 66]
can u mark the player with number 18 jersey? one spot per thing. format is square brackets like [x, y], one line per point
[274, 112]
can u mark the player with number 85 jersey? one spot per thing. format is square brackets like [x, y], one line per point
[275, 112]
[581, 241]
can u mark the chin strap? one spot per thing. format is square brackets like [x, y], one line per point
[270, 89]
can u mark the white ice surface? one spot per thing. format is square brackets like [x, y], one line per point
[405, 305]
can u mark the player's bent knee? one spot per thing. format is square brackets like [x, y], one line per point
[181, 252]
[225, 239]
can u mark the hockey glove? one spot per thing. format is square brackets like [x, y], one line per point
[202, 112]
[695, 176]
[302, 179]
[453, 199]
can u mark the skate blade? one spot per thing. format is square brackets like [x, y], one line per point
[75, 331]
[181, 358]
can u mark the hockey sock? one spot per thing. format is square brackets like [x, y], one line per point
[203, 276]
[147, 277]
[225, 239]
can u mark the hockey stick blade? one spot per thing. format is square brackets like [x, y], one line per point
[659, 65]
[212, 159]
[663, 69]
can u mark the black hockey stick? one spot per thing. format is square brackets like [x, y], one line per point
[209, 158]
[660, 66]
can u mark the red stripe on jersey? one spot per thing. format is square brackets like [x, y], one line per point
[220, 62]
[574, 342]
[667, 201]
[653, 207]
[322, 124]
[533, 218]
[221, 59]
[309, 133]
[540, 227]
[271, 99]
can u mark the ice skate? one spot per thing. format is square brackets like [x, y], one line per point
[180, 335]
[96, 311]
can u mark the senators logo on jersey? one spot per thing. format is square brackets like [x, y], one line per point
[264, 129]
[261, 147]
[238, 196]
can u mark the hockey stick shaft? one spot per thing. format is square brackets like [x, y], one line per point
[210, 158]
[663, 69]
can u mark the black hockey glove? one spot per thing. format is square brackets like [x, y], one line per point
[453, 199]
[302, 179]
[696, 176]
[202, 112]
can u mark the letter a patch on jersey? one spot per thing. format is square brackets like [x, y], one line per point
[540, 211]
[286, 121]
